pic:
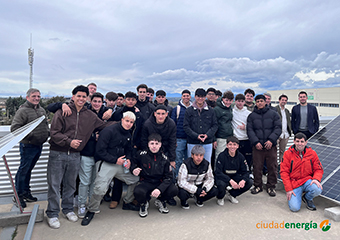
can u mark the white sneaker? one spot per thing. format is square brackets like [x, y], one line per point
[162, 208]
[53, 222]
[232, 199]
[81, 211]
[71, 216]
[220, 202]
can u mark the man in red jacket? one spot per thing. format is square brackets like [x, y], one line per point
[301, 172]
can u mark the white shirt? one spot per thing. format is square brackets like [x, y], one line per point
[239, 117]
[284, 133]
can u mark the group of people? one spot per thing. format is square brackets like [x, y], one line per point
[216, 146]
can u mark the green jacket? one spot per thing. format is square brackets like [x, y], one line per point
[224, 115]
[26, 114]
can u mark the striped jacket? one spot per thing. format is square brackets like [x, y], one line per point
[190, 176]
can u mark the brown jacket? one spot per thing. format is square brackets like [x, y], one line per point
[79, 125]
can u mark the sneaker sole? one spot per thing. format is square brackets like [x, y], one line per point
[186, 208]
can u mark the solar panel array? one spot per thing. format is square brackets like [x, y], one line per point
[326, 143]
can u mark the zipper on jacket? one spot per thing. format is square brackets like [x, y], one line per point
[291, 166]
[75, 133]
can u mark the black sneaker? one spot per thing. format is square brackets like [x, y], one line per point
[271, 192]
[185, 205]
[172, 202]
[107, 197]
[130, 206]
[87, 219]
[29, 198]
[22, 202]
[309, 203]
[143, 211]
[199, 203]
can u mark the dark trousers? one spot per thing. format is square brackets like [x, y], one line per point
[270, 156]
[221, 187]
[246, 150]
[185, 195]
[307, 133]
[29, 154]
[144, 189]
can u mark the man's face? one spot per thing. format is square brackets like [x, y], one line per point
[127, 123]
[249, 98]
[199, 100]
[240, 103]
[96, 103]
[227, 101]
[142, 94]
[300, 144]
[211, 96]
[283, 101]
[160, 99]
[120, 101]
[110, 103]
[268, 100]
[232, 147]
[186, 98]
[260, 103]
[154, 146]
[150, 95]
[198, 158]
[34, 98]
[130, 102]
[160, 116]
[79, 99]
[92, 89]
[303, 98]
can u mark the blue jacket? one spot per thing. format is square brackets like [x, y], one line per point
[179, 120]
[312, 118]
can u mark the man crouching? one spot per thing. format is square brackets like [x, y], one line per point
[113, 150]
[195, 179]
[153, 167]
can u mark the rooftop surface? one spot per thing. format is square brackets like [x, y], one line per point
[245, 220]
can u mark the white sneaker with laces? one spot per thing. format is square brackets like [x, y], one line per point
[220, 202]
[53, 222]
[71, 216]
[81, 211]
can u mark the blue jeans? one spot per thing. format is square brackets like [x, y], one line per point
[61, 168]
[181, 153]
[311, 192]
[207, 148]
[87, 175]
[29, 156]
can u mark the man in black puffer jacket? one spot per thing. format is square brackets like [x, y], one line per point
[153, 168]
[263, 129]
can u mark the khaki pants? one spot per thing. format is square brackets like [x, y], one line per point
[282, 143]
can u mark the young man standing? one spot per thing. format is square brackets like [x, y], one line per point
[263, 129]
[120, 100]
[200, 124]
[161, 100]
[239, 122]
[305, 117]
[195, 179]
[178, 116]
[249, 95]
[111, 99]
[69, 136]
[149, 93]
[224, 116]
[211, 97]
[145, 107]
[232, 171]
[301, 172]
[31, 145]
[153, 167]
[286, 124]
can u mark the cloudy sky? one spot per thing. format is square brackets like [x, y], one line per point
[169, 45]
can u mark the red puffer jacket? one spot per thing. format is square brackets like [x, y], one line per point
[295, 171]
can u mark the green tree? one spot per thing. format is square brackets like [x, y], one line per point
[52, 100]
[13, 104]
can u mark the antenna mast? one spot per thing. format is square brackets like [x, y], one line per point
[30, 62]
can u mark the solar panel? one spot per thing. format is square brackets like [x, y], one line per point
[326, 143]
